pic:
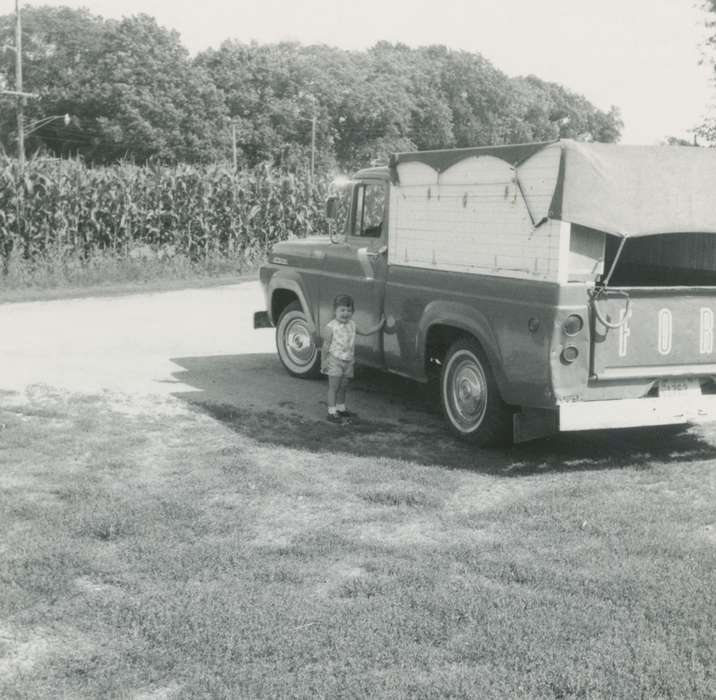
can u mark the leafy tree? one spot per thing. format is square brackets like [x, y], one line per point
[549, 111]
[375, 115]
[130, 85]
[150, 101]
[460, 99]
[59, 47]
[416, 77]
[707, 129]
[135, 93]
[272, 93]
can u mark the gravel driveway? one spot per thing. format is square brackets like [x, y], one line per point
[125, 343]
[197, 344]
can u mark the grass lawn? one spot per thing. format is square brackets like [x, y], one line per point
[153, 549]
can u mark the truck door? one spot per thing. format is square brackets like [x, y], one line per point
[358, 266]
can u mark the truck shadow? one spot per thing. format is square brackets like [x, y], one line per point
[400, 419]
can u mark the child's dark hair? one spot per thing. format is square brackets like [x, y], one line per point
[343, 300]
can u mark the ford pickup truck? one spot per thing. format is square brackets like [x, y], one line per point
[546, 287]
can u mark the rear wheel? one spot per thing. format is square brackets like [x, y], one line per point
[470, 399]
[296, 348]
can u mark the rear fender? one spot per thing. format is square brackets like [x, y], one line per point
[465, 318]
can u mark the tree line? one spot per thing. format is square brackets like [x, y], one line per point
[707, 129]
[134, 93]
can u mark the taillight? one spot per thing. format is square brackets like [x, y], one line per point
[570, 354]
[572, 325]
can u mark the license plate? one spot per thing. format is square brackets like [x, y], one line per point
[677, 388]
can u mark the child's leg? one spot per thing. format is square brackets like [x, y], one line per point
[334, 384]
[341, 393]
[341, 397]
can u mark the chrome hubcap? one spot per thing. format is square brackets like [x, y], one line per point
[299, 345]
[468, 393]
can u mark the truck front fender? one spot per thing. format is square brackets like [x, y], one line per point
[467, 319]
[291, 281]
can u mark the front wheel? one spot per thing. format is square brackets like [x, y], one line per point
[470, 399]
[296, 348]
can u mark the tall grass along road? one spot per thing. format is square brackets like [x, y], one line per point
[179, 522]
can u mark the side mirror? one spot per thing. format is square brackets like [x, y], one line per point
[332, 207]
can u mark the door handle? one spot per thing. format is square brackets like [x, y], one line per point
[377, 253]
[366, 258]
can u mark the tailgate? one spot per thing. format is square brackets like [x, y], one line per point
[668, 331]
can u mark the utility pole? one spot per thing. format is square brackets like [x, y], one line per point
[18, 87]
[313, 144]
[17, 92]
[21, 97]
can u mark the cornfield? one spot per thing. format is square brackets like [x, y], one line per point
[65, 210]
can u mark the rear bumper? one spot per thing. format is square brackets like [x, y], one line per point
[632, 413]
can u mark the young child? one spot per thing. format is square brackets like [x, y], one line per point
[337, 355]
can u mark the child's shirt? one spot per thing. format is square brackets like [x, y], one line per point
[343, 339]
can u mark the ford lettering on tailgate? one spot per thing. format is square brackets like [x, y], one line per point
[659, 330]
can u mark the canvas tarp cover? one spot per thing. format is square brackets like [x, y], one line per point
[442, 160]
[623, 190]
[638, 190]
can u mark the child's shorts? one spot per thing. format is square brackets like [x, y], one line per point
[338, 368]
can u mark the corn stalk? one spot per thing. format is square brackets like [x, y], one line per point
[67, 208]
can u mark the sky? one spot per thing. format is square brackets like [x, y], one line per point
[640, 55]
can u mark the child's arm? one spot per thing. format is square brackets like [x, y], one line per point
[316, 336]
[374, 329]
[326, 337]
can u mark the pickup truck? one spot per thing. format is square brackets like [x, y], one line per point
[547, 287]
